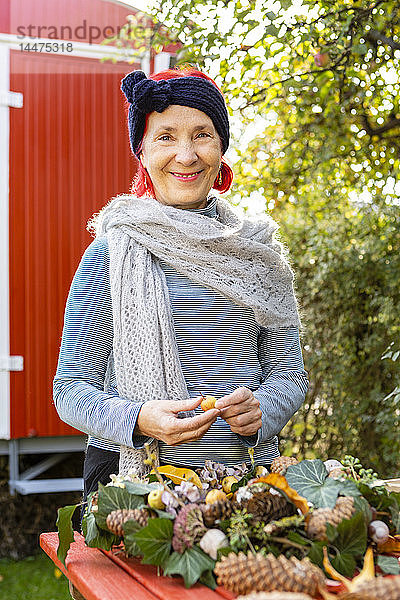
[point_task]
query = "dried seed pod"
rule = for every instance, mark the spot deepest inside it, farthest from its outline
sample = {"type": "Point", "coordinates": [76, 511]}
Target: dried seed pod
{"type": "Point", "coordinates": [280, 464]}
{"type": "Point", "coordinates": [188, 527]}
{"type": "Point", "coordinates": [387, 588]}
{"type": "Point", "coordinates": [243, 574]}
{"type": "Point", "coordinates": [316, 524]}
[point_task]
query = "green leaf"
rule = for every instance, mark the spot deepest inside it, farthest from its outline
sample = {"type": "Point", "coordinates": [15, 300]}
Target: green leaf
{"type": "Point", "coordinates": [389, 564]}
{"type": "Point", "coordinates": [130, 529]}
{"type": "Point", "coordinates": [331, 532]}
{"type": "Point", "coordinates": [352, 535]}
{"type": "Point", "coordinates": [243, 481]}
{"type": "Point", "coordinates": [349, 488]}
{"type": "Point", "coordinates": [316, 553]}
{"type": "Point", "coordinates": [207, 579]}
{"type": "Point", "coordinates": [114, 498]}
{"type": "Point", "coordinates": [154, 541]}
{"type": "Point", "coordinates": [95, 537]}
{"type": "Point", "coordinates": [65, 531]}
{"type": "Point", "coordinates": [294, 536]}
{"type": "Point", "coordinates": [140, 489]}
{"type": "Point", "coordinates": [361, 504]}
{"type": "Point", "coordinates": [310, 479]}
{"type": "Point", "coordinates": [345, 563]}
{"type": "Point", "coordinates": [191, 564]}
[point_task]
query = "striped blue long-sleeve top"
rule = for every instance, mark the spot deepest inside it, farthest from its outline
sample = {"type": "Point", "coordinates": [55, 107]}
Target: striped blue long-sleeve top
{"type": "Point", "coordinates": [221, 347]}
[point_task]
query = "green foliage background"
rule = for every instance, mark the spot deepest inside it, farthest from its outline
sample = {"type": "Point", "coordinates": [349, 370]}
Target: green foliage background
{"type": "Point", "coordinates": [317, 86]}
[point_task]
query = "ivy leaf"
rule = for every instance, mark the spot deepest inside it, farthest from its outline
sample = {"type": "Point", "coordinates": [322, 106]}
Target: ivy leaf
{"type": "Point", "coordinates": [140, 489]}
{"type": "Point", "coordinates": [310, 479]}
{"type": "Point", "coordinates": [348, 541]}
{"type": "Point", "coordinates": [389, 565]}
{"type": "Point", "coordinates": [349, 488]}
{"type": "Point", "coordinates": [191, 564]}
{"type": "Point", "coordinates": [207, 579]}
{"type": "Point", "coordinates": [114, 498]}
{"type": "Point", "coordinates": [344, 563]}
{"type": "Point", "coordinates": [95, 537]}
{"type": "Point", "coordinates": [243, 481]}
{"type": "Point", "coordinates": [65, 531]}
{"type": "Point", "coordinates": [130, 529]}
{"type": "Point", "coordinates": [316, 553]}
{"type": "Point", "coordinates": [352, 536]}
{"type": "Point", "coordinates": [331, 532]}
{"type": "Point", "coordinates": [361, 504]}
{"type": "Point", "coordinates": [154, 541]}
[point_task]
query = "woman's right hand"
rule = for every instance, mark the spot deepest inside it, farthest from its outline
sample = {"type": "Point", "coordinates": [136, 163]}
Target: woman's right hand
{"type": "Point", "coordinates": [159, 419]}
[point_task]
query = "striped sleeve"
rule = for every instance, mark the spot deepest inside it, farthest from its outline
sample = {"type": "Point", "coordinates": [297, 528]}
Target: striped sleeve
{"type": "Point", "coordinates": [284, 383]}
{"type": "Point", "coordinates": [78, 387]}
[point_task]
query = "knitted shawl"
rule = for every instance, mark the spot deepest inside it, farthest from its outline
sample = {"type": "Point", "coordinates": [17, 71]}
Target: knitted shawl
{"type": "Point", "coordinates": [240, 258]}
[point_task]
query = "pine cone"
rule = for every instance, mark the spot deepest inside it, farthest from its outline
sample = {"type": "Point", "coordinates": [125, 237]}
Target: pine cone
{"type": "Point", "coordinates": [117, 518]}
{"type": "Point", "coordinates": [266, 507]}
{"type": "Point", "coordinates": [242, 574]}
{"type": "Point", "coordinates": [316, 525]}
{"type": "Point", "coordinates": [188, 527]}
{"type": "Point", "coordinates": [218, 510]}
{"type": "Point", "coordinates": [280, 464]}
{"type": "Point", "coordinates": [274, 596]}
{"type": "Point", "coordinates": [375, 589]}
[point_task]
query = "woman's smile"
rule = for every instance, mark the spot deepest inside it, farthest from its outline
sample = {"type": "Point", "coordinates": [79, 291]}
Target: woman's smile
{"type": "Point", "coordinates": [186, 176]}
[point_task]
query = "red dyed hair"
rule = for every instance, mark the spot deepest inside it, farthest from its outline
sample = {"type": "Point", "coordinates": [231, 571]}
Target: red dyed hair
{"type": "Point", "coordinates": [142, 183]}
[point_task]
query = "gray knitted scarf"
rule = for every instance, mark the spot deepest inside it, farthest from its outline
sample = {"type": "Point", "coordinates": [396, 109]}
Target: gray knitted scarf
{"type": "Point", "coordinates": [240, 258]}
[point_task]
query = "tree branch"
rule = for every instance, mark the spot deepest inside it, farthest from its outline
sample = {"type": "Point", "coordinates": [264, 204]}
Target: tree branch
{"type": "Point", "coordinates": [392, 123]}
{"type": "Point", "coordinates": [374, 36]}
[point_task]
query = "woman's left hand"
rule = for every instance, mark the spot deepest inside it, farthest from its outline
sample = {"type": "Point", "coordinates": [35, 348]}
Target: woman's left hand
{"type": "Point", "coordinates": [241, 410]}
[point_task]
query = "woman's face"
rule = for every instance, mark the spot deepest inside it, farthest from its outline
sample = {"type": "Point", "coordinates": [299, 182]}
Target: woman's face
{"type": "Point", "coordinates": [181, 151]}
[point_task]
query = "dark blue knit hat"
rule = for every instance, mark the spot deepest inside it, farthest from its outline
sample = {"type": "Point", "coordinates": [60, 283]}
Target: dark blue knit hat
{"type": "Point", "coordinates": [146, 95]}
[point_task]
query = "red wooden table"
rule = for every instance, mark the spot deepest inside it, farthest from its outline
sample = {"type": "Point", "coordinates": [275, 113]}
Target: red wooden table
{"type": "Point", "coordinates": [100, 575]}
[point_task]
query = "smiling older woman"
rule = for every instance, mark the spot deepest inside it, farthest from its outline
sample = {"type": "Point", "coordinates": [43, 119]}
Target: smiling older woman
{"type": "Point", "coordinates": [178, 296]}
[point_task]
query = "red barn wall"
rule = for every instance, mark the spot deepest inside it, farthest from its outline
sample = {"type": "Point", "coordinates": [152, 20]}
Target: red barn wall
{"type": "Point", "coordinates": [69, 154]}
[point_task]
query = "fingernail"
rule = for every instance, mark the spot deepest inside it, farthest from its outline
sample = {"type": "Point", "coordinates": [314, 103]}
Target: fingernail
{"type": "Point", "coordinates": [219, 404]}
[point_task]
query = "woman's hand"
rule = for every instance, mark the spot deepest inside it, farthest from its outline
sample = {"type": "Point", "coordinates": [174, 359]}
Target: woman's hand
{"type": "Point", "coordinates": [241, 410]}
{"type": "Point", "coordinates": [158, 419]}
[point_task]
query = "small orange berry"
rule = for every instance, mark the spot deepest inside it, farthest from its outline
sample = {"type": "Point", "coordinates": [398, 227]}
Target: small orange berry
{"type": "Point", "coordinates": [208, 402]}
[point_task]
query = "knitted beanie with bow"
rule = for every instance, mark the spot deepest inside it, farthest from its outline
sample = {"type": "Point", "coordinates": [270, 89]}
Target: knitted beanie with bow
{"type": "Point", "coordinates": [147, 95]}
